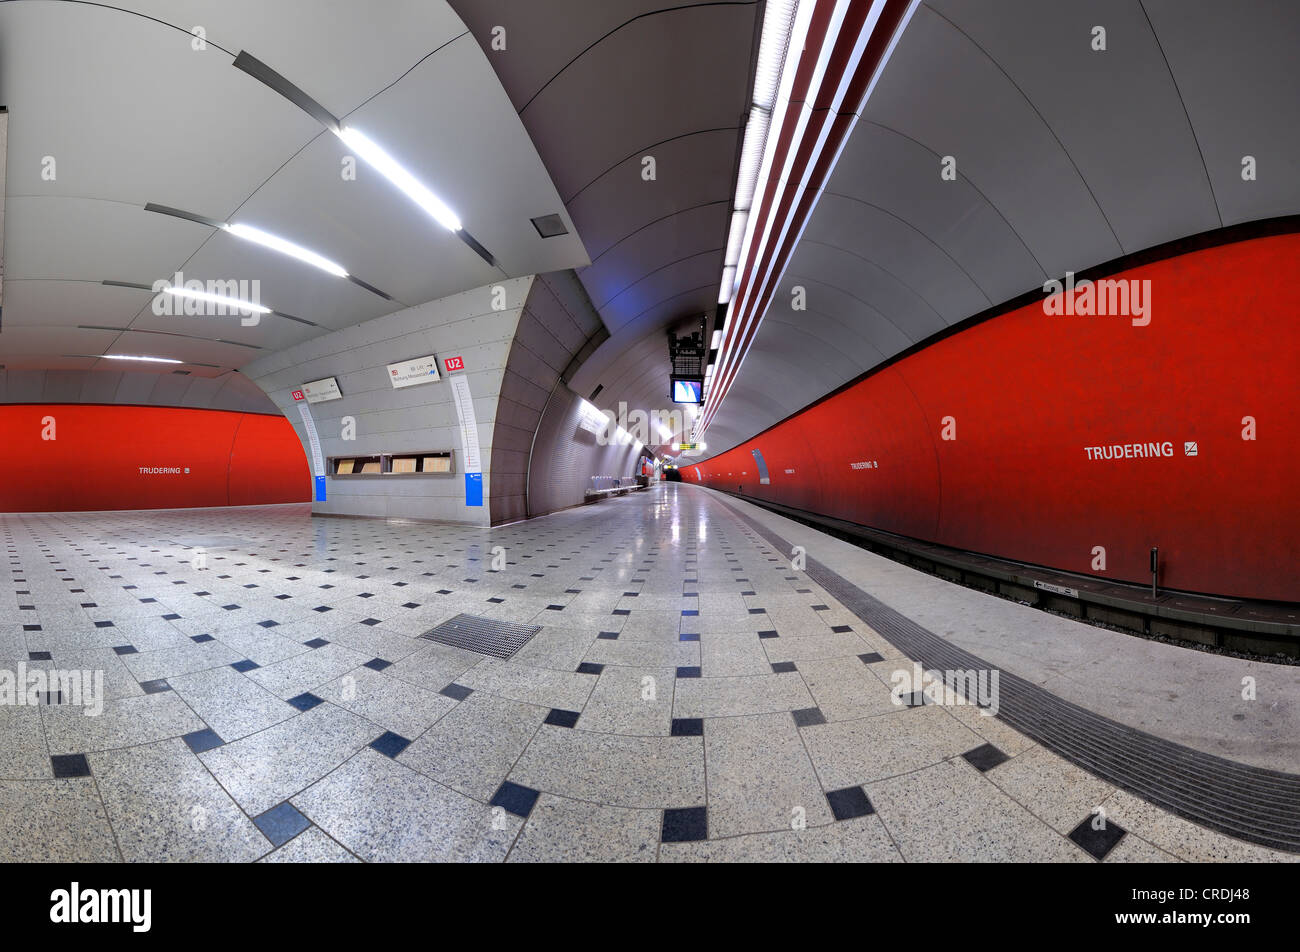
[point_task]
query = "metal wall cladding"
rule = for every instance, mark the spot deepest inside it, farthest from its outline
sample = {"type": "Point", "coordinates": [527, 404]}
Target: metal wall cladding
{"type": "Point", "coordinates": [566, 455]}
{"type": "Point", "coordinates": [1002, 439]}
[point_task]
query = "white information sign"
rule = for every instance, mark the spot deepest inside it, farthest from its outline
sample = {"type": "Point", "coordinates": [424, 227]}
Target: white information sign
{"type": "Point", "coordinates": [468, 422]}
{"type": "Point", "coordinates": [408, 373]}
{"type": "Point", "coordinates": [318, 391]}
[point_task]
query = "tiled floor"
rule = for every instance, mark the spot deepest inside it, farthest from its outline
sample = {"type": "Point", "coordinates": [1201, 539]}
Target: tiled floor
{"type": "Point", "coordinates": [690, 696]}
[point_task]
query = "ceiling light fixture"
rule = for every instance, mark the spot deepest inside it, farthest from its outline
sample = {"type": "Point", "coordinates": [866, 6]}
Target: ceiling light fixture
{"type": "Point", "coordinates": [233, 303]}
{"type": "Point", "coordinates": [285, 247]}
{"type": "Point", "coordinates": [152, 360]}
{"type": "Point", "coordinates": [392, 170]}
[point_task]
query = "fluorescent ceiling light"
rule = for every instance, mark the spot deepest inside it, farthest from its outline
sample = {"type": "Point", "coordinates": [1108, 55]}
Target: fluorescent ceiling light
{"type": "Point", "coordinates": [152, 360]}
{"type": "Point", "coordinates": [218, 299]}
{"type": "Point", "coordinates": [666, 433]}
{"type": "Point", "coordinates": [717, 339]}
{"type": "Point", "coordinates": [285, 247]}
{"type": "Point", "coordinates": [728, 284]}
{"type": "Point", "coordinates": [390, 169]}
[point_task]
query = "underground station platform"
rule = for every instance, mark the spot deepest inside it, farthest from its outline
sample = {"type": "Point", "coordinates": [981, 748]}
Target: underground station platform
{"type": "Point", "coordinates": [796, 432]}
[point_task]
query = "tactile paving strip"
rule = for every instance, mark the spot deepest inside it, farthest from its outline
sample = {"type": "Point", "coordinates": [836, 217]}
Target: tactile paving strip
{"type": "Point", "coordinates": [500, 639]}
{"type": "Point", "coordinates": [1250, 803]}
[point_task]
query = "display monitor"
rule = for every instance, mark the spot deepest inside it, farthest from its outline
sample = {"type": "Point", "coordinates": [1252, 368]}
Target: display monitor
{"type": "Point", "coordinates": [688, 389]}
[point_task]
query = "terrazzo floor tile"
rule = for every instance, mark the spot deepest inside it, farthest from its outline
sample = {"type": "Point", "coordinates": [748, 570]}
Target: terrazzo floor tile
{"type": "Point", "coordinates": [844, 689]}
{"type": "Point", "coordinates": [310, 846]}
{"type": "Point", "coordinates": [950, 813]}
{"type": "Point", "coordinates": [184, 659]}
{"type": "Point", "coordinates": [759, 775]}
{"type": "Point", "coordinates": [1051, 788]}
{"type": "Point", "coordinates": [473, 746]}
{"type": "Point", "coordinates": [230, 703]}
{"type": "Point", "coordinates": [630, 700]}
{"type": "Point", "coordinates": [614, 769]}
{"type": "Point", "coordinates": [54, 821]}
{"type": "Point", "coordinates": [165, 807]}
{"type": "Point", "coordinates": [383, 811]}
{"type": "Point", "coordinates": [850, 753]}
{"type": "Point", "coordinates": [266, 768]}
{"type": "Point", "coordinates": [23, 755]}
{"type": "Point", "coordinates": [862, 840]}
{"type": "Point", "coordinates": [729, 697]}
{"type": "Point", "coordinates": [123, 723]}
{"type": "Point", "coordinates": [393, 704]}
{"type": "Point", "coordinates": [434, 666]}
{"type": "Point", "coordinates": [293, 676]}
{"type": "Point", "coordinates": [1182, 838]}
{"type": "Point", "coordinates": [521, 682]}
{"type": "Point", "coordinates": [560, 830]}
{"type": "Point", "coordinates": [638, 654]}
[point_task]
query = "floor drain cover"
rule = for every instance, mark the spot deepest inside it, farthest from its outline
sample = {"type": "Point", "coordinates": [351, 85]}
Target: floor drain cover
{"type": "Point", "coordinates": [500, 639]}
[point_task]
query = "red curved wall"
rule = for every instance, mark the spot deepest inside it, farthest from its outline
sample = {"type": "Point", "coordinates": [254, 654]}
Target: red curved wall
{"type": "Point", "coordinates": [94, 461]}
{"type": "Point", "coordinates": [1029, 392]}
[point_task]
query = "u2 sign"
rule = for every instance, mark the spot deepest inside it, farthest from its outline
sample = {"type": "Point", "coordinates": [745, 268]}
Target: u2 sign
{"type": "Point", "coordinates": [453, 363]}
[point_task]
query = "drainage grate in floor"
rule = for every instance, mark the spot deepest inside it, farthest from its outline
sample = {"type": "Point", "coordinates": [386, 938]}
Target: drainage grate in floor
{"type": "Point", "coordinates": [500, 639]}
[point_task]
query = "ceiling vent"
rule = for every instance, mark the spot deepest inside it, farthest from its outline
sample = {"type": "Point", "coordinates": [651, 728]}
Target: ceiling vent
{"type": "Point", "coordinates": [550, 226]}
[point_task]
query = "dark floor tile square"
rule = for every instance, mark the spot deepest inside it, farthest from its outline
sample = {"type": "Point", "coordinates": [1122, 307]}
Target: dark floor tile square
{"type": "Point", "coordinates": [688, 727]}
{"type": "Point", "coordinates": [104, 624]}
{"type": "Point", "coordinates": [457, 692]}
{"type": "Point", "coordinates": [758, 611]}
{"type": "Point", "coordinates": [768, 634]}
{"type": "Point", "coordinates": [821, 608]}
{"type": "Point", "coordinates": [688, 672]}
{"type": "Point", "coordinates": [608, 636]}
{"type": "Point", "coordinates": [245, 665]}
{"type": "Point", "coordinates": [840, 629]}
{"type": "Point", "coordinates": [281, 823]}
{"type": "Point", "coordinates": [689, 636]}
{"type": "Point", "coordinates": [622, 611]}
{"type": "Point", "coordinates": [410, 604]}
{"type": "Point", "coordinates": [915, 699]}
{"type": "Point", "coordinates": [155, 687]}
{"type": "Point", "coordinates": [322, 609]}
{"type": "Point", "coordinates": [316, 643]}
{"type": "Point", "coordinates": [171, 616]}
{"type": "Point", "coordinates": [200, 639]}
{"type": "Point", "coordinates": [590, 667]}
{"type": "Point", "coordinates": [1097, 843]}
{"type": "Point", "coordinates": [849, 803]}
{"type": "Point", "coordinates": [561, 718]}
{"type": "Point", "coordinates": [985, 757]}
{"type": "Point", "coordinates": [783, 667]}
{"type": "Point", "coordinates": [230, 608]}
{"type": "Point", "coordinates": [515, 798]}
{"type": "Point", "coordinates": [268, 624]}
{"type": "Point", "coordinates": [206, 739]}
{"type": "Point", "coordinates": [31, 627]}
{"type": "Point", "coordinates": [808, 717]}
{"type": "Point", "coordinates": [555, 608]}
{"type": "Point", "coordinates": [496, 601]}
{"type": "Point", "coordinates": [685, 825]}
{"type": "Point", "coordinates": [370, 621]}
{"type": "Point", "coordinates": [690, 612]}
{"type": "Point", "coordinates": [377, 664]}
{"type": "Point", "coordinates": [39, 656]}
{"type": "Point", "coordinates": [126, 649]}
{"type": "Point", "coordinates": [444, 591]}
{"type": "Point", "coordinates": [871, 657]}
{"type": "Point", "coordinates": [66, 766]}
{"type": "Point", "coordinates": [305, 701]}
{"type": "Point", "coordinates": [390, 744]}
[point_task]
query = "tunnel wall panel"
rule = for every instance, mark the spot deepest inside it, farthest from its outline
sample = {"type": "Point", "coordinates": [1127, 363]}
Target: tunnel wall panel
{"type": "Point", "coordinates": [1028, 393]}
{"type": "Point", "coordinates": [119, 457]}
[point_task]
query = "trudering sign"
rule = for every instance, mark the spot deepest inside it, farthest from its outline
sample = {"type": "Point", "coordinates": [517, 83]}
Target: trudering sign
{"type": "Point", "coordinates": [409, 373]}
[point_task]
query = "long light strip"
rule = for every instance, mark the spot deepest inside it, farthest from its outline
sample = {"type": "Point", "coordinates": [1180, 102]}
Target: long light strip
{"type": "Point", "coordinates": [234, 303]}
{"type": "Point", "coordinates": [742, 329]}
{"type": "Point", "coordinates": [285, 247]}
{"type": "Point", "coordinates": [152, 360]}
{"type": "Point", "coordinates": [392, 170]}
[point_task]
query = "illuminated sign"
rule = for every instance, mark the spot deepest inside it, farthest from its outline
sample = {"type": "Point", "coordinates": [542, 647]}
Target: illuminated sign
{"type": "Point", "coordinates": [687, 389]}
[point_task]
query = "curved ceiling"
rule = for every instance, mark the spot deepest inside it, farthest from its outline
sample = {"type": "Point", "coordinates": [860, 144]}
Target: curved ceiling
{"type": "Point", "coordinates": [600, 86]}
{"type": "Point", "coordinates": [134, 109]}
{"type": "Point", "coordinates": [1066, 158]}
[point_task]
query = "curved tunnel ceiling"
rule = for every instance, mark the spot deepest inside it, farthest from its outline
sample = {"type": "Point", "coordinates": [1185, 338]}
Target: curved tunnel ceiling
{"type": "Point", "coordinates": [133, 110]}
{"type": "Point", "coordinates": [599, 86]}
{"type": "Point", "coordinates": [1066, 158]}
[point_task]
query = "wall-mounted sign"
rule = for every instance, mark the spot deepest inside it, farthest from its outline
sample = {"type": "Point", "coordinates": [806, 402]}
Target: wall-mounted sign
{"type": "Point", "coordinates": [408, 373]}
{"type": "Point", "coordinates": [299, 396]}
{"type": "Point", "coordinates": [318, 391]}
{"type": "Point", "coordinates": [454, 363]}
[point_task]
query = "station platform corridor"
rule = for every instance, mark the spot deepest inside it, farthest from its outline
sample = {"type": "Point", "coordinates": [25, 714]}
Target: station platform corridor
{"type": "Point", "coordinates": [685, 696]}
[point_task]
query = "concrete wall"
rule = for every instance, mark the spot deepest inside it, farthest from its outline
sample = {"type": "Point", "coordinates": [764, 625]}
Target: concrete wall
{"type": "Point", "coordinates": [409, 419]}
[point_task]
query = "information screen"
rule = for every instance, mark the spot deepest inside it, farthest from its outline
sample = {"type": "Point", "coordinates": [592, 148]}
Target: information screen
{"type": "Point", "coordinates": [687, 390]}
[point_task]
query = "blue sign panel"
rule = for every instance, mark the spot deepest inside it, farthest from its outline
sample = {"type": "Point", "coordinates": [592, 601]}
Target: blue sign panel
{"type": "Point", "coordinates": [320, 488]}
{"type": "Point", "coordinates": [473, 489]}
